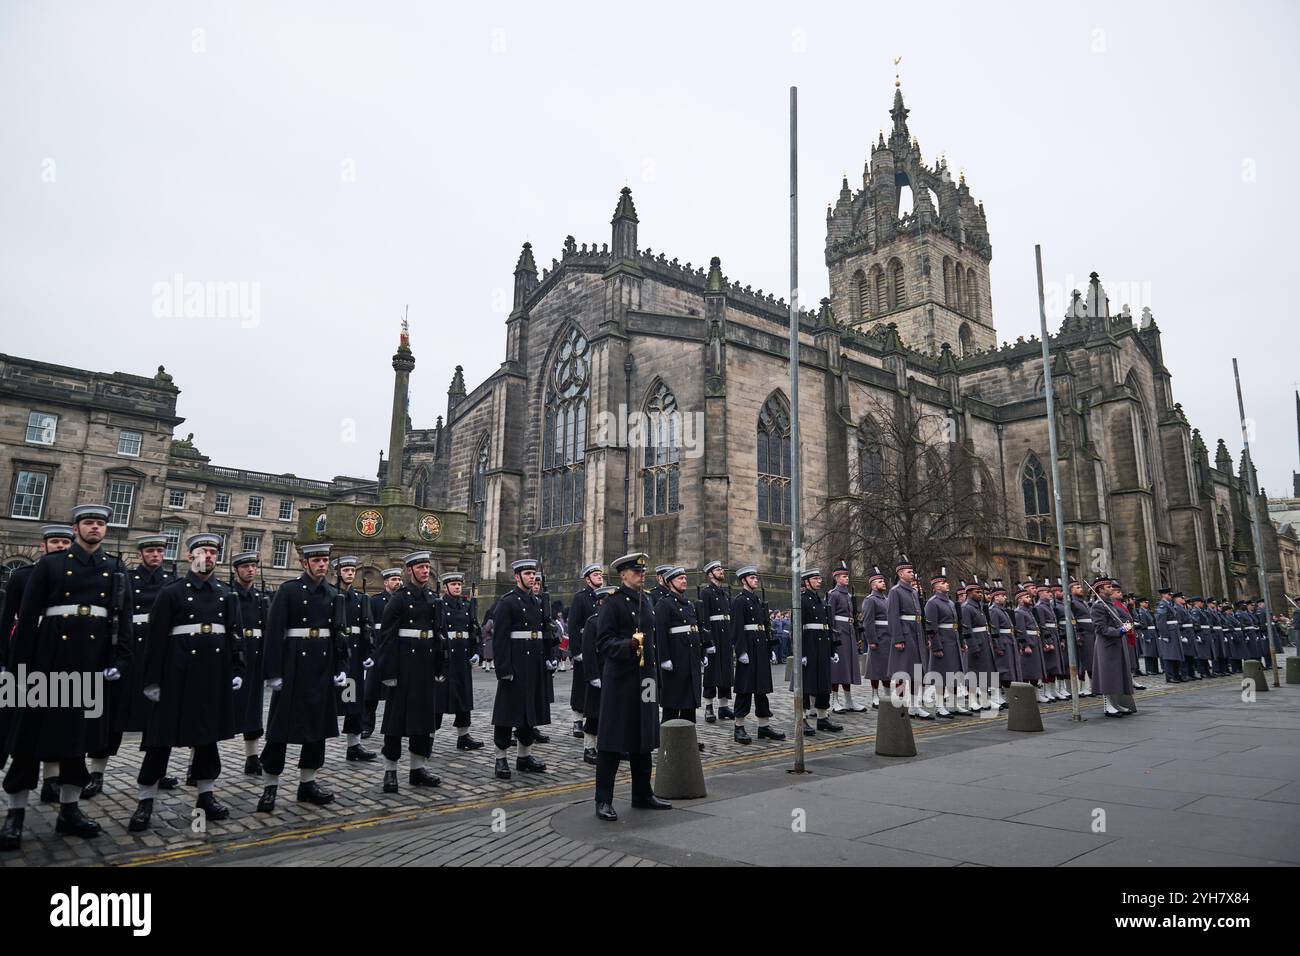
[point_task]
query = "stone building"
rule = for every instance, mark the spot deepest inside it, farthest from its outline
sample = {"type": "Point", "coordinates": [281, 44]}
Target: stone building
{"type": "Point", "coordinates": [536, 456]}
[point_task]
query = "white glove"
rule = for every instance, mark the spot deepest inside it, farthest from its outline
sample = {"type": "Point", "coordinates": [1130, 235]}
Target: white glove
{"type": "Point", "coordinates": [803, 661]}
{"type": "Point", "coordinates": [368, 663]}
{"type": "Point", "coordinates": [596, 682]}
{"type": "Point", "coordinates": [577, 657]}
{"type": "Point", "coordinates": [275, 683]}
{"type": "Point", "coordinates": [153, 692]}
{"type": "Point", "coordinates": [390, 682]}
{"type": "Point", "coordinates": [506, 677]}
{"type": "Point", "coordinates": [439, 680]}
{"type": "Point", "coordinates": [667, 665]}
{"type": "Point", "coordinates": [236, 683]}
{"type": "Point", "coordinates": [551, 665]}
{"type": "Point", "coordinates": [473, 659]}
{"type": "Point", "coordinates": [341, 679]}
{"type": "Point", "coordinates": [835, 658]}
{"type": "Point", "coordinates": [743, 658]}
{"type": "Point", "coordinates": [710, 650]}
{"type": "Point", "coordinates": [112, 674]}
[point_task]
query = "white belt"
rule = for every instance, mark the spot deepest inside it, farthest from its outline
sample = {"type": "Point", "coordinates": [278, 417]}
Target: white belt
{"type": "Point", "coordinates": [525, 635]}
{"type": "Point", "coordinates": [814, 627]}
{"type": "Point", "coordinates": [907, 617]}
{"type": "Point", "coordinates": [949, 626]}
{"type": "Point", "coordinates": [978, 630]}
{"type": "Point", "coordinates": [458, 635]}
{"type": "Point", "coordinates": [753, 627]}
{"type": "Point", "coordinates": [719, 617]}
{"type": "Point", "coordinates": [682, 629]}
{"type": "Point", "coordinates": [417, 633]}
{"type": "Point", "coordinates": [845, 619]}
{"type": "Point", "coordinates": [1050, 626]}
{"type": "Point", "coordinates": [354, 629]}
{"type": "Point", "coordinates": [1004, 630]}
{"type": "Point", "coordinates": [307, 632]}
{"type": "Point", "coordinates": [1151, 627]}
{"type": "Point", "coordinates": [139, 618]}
{"type": "Point", "coordinates": [78, 610]}
{"type": "Point", "coordinates": [1217, 628]}
{"type": "Point", "coordinates": [1187, 625]}
{"type": "Point", "coordinates": [198, 629]}
{"type": "Point", "coordinates": [1034, 633]}
{"type": "Point", "coordinates": [882, 624]}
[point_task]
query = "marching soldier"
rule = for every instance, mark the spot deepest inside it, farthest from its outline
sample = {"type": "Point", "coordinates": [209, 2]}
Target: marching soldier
{"type": "Point", "coordinates": [1029, 648]}
{"type": "Point", "coordinates": [1085, 636]}
{"type": "Point", "coordinates": [464, 640]}
{"type": "Point", "coordinates": [193, 660]}
{"type": "Point", "coordinates": [581, 607]}
{"type": "Point", "coordinates": [819, 656]}
{"type": "Point", "coordinates": [1187, 636]}
{"type": "Point", "coordinates": [978, 645]}
{"type": "Point", "coordinates": [903, 612]}
{"type": "Point", "coordinates": [550, 660]}
{"type": "Point", "coordinates": [1246, 621]}
{"type": "Point", "coordinates": [128, 710]}
{"type": "Point", "coordinates": [875, 634]}
{"type": "Point", "coordinates": [518, 626]}
{"type": "Point", "coordinates": [1111, 624]}
{"type": "Point", "coordinates": [305, 658]}
{"type": "Point", "coordinates": [681, 650]}
{"type": "Point", "coordinates": [629, 717]}
{"type": "Point", "coordinates": [941, 641]}
{"type": "Point", "coordinates": [412, 667]}
{"type": "Point", "coordinates": [1238, 651]}
{"type": "Point", "coordinates": [660, 590]}
{"type": "Point", "coordinates": [1169, 637]}
{"type": "Point", "coordinates": [73, 620]}
{"type": "Point", "coordinates": [845, 672]}
{"type": "Point", "coordinates": [1147, 638]}
{"type": "Point", "coordinates": [1002, 637]}
{"type": "Point", "coordinates": [1056, 658]}
{"type": "Point", "coordinates": [592, 672]}
{"type": "Point", "coordinates": [375, 689]}
{"type": "Point", "coordinates": [751, 638]}
{"type": "Point", "coordinates": [1222, 665]}
{"type": "Point", "coordinates": [359, 634]}
{"type": "Point", "coordinates": [1204, 638]}
{"type": "Point", "coordinates": [719, 668]}
{"type": "Point", "coordinates": [54, 538]}
{"type": "Point", "coordinates": [253, 607]}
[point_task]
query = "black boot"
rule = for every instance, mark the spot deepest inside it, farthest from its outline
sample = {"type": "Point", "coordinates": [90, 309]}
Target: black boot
{"type": "Point", "coordinates": [540, 738]}
{"type": "Point", "coordinates": [651, 803]}
{"type": "Point", "coordinates": [267, 803]}
{"type": "Point", "coordinates": [50, 790]}
{"type": "Point", "coordinates": [168, 783]}
{"type": "Point", "coordinates": [211, 807]}
{"type": "Point", "coordinates": [530, 764]}
{"type": "Point", "coordinates": [189, 776]}
{"type": "Point", "coordinates": [360, 753]}
{"type": "Point", "coordinates": [577, 728]}
{"type": "Point", "coordinates": [606, 812]}
{"type": "Point", "coordinates": [94, 786]}
{"type": "Point", "coordinates": [726, 713]}
{"type": "Point", "coordinates": [825, 723]}
{"type": "Point", "coordinates": [72, 822]}
{"type": "Point", "coordinates": [253, 766]}
{"type": "Point", "coordinates": [709, 716]}
{"type": "Point", "coordinates": [423, 778]}
{"type": "Point", "coordinates": [390, 781]}
{"type": "Point", "coordinates": [466, 742]}
{"type": "Point", "coordinates": [312, 792]}
{"type": "Point", "coordinates": [502, 769]}
{"type": "Point", "coordinates": [741, 736]}
{"type": "Point", "coordinates": [139, 821]}
{"type": "Point", "coordinates": [808, 730]}
{"type": "Point", "coordinates": [589, 755]}
{"type": "Point", "coordinates": [11, 835]}
{"type": "Point", "coordinates": [767, 733]}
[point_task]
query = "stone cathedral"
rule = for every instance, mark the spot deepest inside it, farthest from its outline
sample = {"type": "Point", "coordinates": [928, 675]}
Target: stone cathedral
{"type": "Point", "coordinates": [610, 328]}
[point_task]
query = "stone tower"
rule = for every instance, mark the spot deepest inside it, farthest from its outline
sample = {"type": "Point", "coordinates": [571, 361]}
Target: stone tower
{"type": "Point", "coordinates": [925, 269]}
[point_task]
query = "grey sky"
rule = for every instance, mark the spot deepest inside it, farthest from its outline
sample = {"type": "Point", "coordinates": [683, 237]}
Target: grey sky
{"type": "Point", "coordinates": [348, 159]}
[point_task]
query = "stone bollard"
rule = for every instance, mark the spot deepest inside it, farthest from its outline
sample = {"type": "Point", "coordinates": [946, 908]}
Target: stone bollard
{"type": "Point", "coordinates": [894, 728]}
{"type": "Point", "coordinates": [678, 772]}
{"type": "Point", "coordinates": [1254, 670]}
{"type": "Point", "coordinates": [1293, 670]}
{"type": "Point", "coordinates": [1022, 712]}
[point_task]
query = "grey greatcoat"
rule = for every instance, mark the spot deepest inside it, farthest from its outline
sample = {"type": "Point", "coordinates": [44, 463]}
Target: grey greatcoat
{"type": "Point", "coordinates": [906, 639]}
{"type": "Point", "coordinates": [1085, 636]}
{"type": "Point", "coordinates": [848, 670]}
{"type": "Point", "coordinates": [979, 641]}
{"type": "Point", "coordinates": [1168, 634]}
{"type": "Point", "coordinates": [1029, 648]}
{"type": "Point", "coordinates": [1111, 672]}
{"type": "Point", "coordinates": [1055, 664]}
{"type": "Point", "coordinates": [875, 635]}
{"type": "Point", "coordinates": [1006, 650]}
{"type": "Point", "coordinates": [941, 636]}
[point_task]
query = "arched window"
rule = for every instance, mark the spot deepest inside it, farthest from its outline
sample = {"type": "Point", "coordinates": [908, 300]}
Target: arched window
{"type": "Point", "coordinates": [774, 462]}
{"type": "Point", "coordinates": [972, 300]}
{"type": "Point", "coordinates": [564, 436]}
{"type": "Point", "coordinates": [967, 339]}
{"type": "Point", "coordinates": [421, 488]}
{"type": "Point", "coordinates": [1038, 509]}
{"type": "Point", "coordinates": [947, 282]}
{"type": "Point", "coordinates": [958, 298]}
{"type": "Point", "coordinates": [897, 286]}
{"type": "Point", "coordinates": [478, 489]}
{"type": "Point", "coordinates": [661, 459]}
{"type": "Point", "coordinates": [1142, 437]}
{"type": "Point", "coordinates": [882, 290]}
{"type": "Point", "coordinates": [1225, 530]}
{"type": "Point", "coordinates": [862, 308]}
{"type": "Point", "coordinates": [871, 460]}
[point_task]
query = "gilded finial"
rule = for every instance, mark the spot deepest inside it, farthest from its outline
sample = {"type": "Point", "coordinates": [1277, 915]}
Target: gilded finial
{"type": "Point", "coordinates": [897, 81]}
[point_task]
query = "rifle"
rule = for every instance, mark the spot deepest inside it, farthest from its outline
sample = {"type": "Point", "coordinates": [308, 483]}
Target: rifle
{"type": "Point", "coordinates": [856, 614]}
{"type": "Point", "coordinates": [767, 618]}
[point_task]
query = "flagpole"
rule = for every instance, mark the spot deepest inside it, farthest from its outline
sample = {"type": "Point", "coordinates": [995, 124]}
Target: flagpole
{"type": "Point", "coordinates": [796, 536]}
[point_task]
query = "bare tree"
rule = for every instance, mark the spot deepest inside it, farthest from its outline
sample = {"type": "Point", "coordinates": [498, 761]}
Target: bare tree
{"type": "Point", "coordinates": [915, 490]}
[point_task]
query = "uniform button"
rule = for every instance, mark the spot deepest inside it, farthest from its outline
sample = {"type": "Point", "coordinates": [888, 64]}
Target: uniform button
{"type": "Point", "coordinates": [69, 571]}
{"type": "Point", "coordinates": [65, 637]}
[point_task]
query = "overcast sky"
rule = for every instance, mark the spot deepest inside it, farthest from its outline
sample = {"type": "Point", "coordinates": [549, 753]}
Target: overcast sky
{"type": "Point", "coordinates": [344, 160]}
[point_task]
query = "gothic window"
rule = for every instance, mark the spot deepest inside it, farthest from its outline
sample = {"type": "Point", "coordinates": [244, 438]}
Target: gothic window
{"type": "Point", "coordinates": [421, 488]}
{"type": "Point", "coordinates": [947, 282]}
{"type": "Point", "coordinates": [478, 489]}
{"type": "Point", "coordinates": [774, 462]}
{"type": "Point", "coordinates": [1225, 532]}
{"type": "Point", "coordinates": [972, 300]}
{"type": "Point", "coordinates": [1143, 440]}
{"type": "Point", "coordinates": [882, 290]}
{"type": "Point", "coordinates": [661, 461]}
{"type": "Point", "coordinates": [897, 286]}
{"type": "Point", "coordinates": [1038, 509]}
{"type": "Point", "coordinates": [958, 299]}
{"type": "Point", "coordinates": [564, 436]}
{"type": "Point", "coordinates": [863, 304]}
{"type": "Point", "coordinates": [871, 461]}
{"type": "Point", "coordinates": [966, 338]}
